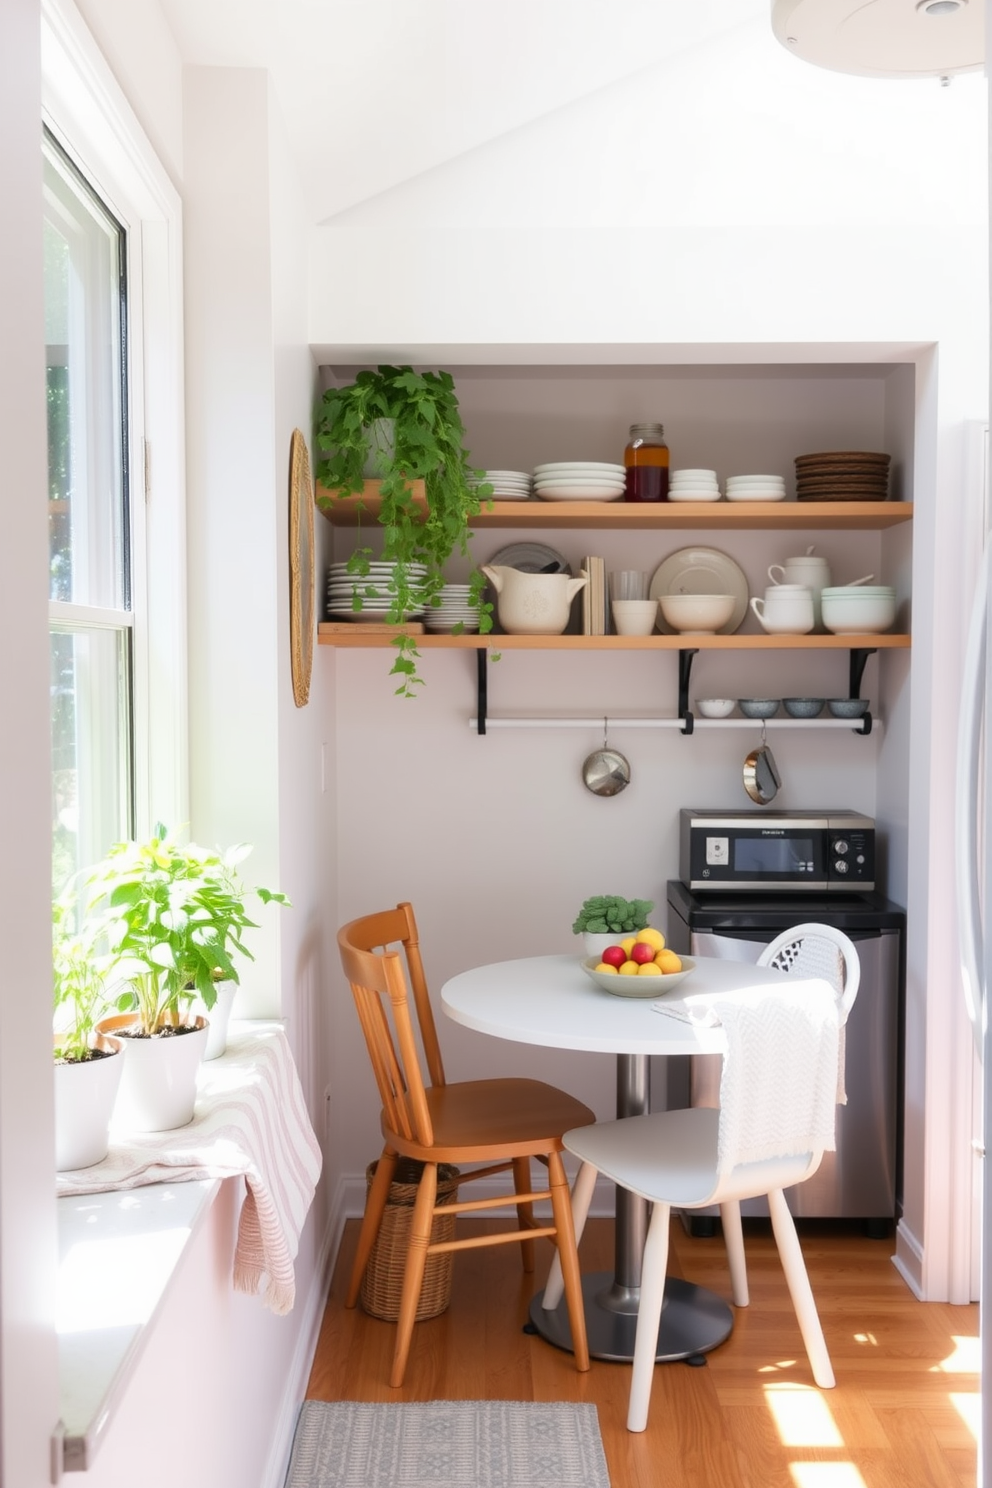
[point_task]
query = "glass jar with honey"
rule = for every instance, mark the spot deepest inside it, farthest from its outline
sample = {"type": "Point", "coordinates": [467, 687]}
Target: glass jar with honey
{"type": "Point", "coordinates": [646, 461]}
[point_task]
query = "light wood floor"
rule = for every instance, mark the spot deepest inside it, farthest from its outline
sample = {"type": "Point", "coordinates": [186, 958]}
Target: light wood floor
{"type": "Point", "coordinates": [901, 1415]}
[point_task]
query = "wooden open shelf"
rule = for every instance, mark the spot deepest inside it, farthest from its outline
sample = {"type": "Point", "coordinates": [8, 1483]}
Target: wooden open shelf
{"type": "Point", "coordinates": [328, 636]}
{"type": "Point", "coordinates": [874, 516]}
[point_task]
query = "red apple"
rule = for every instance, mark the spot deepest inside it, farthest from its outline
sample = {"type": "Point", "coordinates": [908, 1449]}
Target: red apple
{"type": "Point", "coordinates": [641, 952]}
{"type": "Point", "coordinates": [614, 955]}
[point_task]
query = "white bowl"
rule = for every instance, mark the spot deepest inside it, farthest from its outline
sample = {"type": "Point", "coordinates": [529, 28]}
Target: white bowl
{"type": "Point", "coordinates": [634, 617]}
{"type": "Point", "coordinates": [697, 614]}
{"type": "Point", "coordinates": [755, 480]}
{"type": "Point", "coordinates": [716, 707]}
{"type": "Point", "coordinates": [853, 614]}
{"type": "Point", "coordinates": [637, 986]}
{"type": "Point", "coordinates": [681, 493]}
{"type": "Point", "coordinates": [694, 475]}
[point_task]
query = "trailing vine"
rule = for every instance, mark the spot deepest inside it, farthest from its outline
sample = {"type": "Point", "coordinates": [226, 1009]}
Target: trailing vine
{"type": "Point", "coordinates": [429, 446]}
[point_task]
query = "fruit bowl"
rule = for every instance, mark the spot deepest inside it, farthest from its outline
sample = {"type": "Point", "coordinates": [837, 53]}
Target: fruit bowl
{"type": "Point", "coordinates": [637, 986]}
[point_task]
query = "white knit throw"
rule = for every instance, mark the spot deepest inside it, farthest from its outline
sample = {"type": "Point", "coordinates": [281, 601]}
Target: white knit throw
{"type": "Point", "coordinates": [778, 1088]}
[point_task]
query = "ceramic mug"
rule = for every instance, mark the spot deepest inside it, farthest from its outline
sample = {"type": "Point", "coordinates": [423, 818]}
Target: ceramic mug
{"type": "Point", "coordinates": [786, 609]}
{"type": "Point", "coordinates": [809, 570]}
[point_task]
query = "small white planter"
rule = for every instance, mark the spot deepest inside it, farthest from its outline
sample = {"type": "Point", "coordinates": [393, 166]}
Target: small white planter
{"type": "Point", "coordinates": [85, 1094]}
{"type": "Point", "coordinates": [382, 447]}
{"type": "Point", "coordinates": [595, 944]}
{"type": "Point", "coordinates": [218, 1017]}
{"type": "Point", "coordinates": [158, 1086]}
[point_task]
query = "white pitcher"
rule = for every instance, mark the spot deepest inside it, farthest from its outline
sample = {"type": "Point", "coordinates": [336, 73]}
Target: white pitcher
{"type": "Point", "coordinates": [533, 604]}
{"type": "Point", "coordinates": [808, 569]}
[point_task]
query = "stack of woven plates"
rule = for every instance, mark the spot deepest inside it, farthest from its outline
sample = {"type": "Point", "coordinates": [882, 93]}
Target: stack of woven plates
{"type": "Point", "coordinates": [508, 485]}
{"type": "Point", "coordinates": [755, 488]}
{"type": "Point", "coordinates": [375, 590]}
{"type": "Point", "coordinates": [693, 485]}
{"type": "Point", "coordinates": [453, 610]}
{"type": "Point", "coordinates": [843, 475]}
{"type": "Point", "coordinates": [579, 480]}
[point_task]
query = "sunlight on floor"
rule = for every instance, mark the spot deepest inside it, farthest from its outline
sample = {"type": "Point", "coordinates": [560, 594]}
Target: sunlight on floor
{"type": "Point", "coordinates": [966, 1358]}
{"type": "Point", "coordinates": [802, 1416]}
{"type": "Point", "coordinates": [826, 1475]}
{"type": "Point", "coordinates": [969, 1408]}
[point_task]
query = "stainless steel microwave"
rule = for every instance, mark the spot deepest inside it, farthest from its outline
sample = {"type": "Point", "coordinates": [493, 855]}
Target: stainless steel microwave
{"type": "Point", "coordinates": [788, 850]}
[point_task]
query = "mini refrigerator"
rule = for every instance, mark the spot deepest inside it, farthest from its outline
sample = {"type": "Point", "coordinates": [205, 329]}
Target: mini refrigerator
{"type": "Point", "coordinates": [861, 1179]}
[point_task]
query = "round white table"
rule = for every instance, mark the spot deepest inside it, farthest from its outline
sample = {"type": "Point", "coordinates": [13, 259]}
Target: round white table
{"type": "Point", "coordinates": [549, 1001]}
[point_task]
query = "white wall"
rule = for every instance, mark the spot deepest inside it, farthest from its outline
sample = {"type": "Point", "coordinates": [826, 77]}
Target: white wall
{"type": "Point", "coordinates": [28, 1365]}
{"type": "Point", "coordinates": [747, 207]}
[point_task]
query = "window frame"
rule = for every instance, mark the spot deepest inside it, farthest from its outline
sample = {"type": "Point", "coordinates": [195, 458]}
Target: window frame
{"type": "Point", "coordinates": [91, 121]}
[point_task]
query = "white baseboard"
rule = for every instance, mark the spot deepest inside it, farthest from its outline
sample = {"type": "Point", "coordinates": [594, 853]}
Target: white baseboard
{"type": "Point", "coordinates": [306, 1343]}
{"type": "Point", "coordinates": [908, 1260]}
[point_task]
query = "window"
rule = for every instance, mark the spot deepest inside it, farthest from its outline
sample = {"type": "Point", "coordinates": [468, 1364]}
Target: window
{"type": "Point", "coordinates": [114, 322]}
{"type": "Point", "coordinates": [88, 518]}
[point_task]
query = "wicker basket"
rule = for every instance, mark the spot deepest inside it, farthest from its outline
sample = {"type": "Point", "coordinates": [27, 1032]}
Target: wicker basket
{"type": "Point", "coordinates": [382, 1283]}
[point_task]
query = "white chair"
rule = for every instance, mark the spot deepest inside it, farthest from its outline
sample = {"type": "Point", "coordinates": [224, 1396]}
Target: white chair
{"type": "Point", "coordinates": [818, 950]}
{"type": "Point", "coordinates": [688, 1160]}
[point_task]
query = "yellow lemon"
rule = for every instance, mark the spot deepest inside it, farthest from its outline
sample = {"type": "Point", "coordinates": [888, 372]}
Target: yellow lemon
{"type": "Point", "coordinates": [649, 969]}
{"type": "Point", "coordinates": [629, 968]}
{"type": "Point", "coordinates": [667, 961]}
{"type": "Point", "coordinates": [652, 937]}
{"type": "Point", "coordinates": [603, 967]}
{"type": "Point", "coordinates": [628, 943]}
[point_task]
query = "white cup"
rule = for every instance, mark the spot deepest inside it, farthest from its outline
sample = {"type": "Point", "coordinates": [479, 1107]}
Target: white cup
{"type": "Point", "coordinates": [807, 569]}
{"type": "Point", "coordinates": [786, 609]}
{"type": "Point", "coordinates": [634, 617]}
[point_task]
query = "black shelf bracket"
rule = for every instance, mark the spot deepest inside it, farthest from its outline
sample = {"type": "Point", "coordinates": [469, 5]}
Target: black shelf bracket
{"type": "Point", "coordinates": [859, 660]}
{"type": "Point", "coordinates": [481, 688]}
{"type": "Point", "coordinates": [685, 672]}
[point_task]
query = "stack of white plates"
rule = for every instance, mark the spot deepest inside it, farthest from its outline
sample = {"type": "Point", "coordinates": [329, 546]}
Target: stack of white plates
{"type": "Point", "coordinates": [693, 485]}
{"type": "Point", "coordinates": [374, 588]}
{"type": "Point", "coordinates": [453, 610]}
{"type": "Point", "coordinates": [508, 485]}
{"type": "Point", "coordinates": [579, 480]}
{"type": "Point", "coordinates": [755, 488]}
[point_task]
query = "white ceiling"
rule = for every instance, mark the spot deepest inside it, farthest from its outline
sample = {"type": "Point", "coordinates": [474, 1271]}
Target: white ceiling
{"type": "Point", "coordinates": [375, 92]}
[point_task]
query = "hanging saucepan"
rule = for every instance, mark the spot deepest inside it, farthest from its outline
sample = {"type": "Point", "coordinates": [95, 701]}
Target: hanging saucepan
{"type": "Point", "coordinates": [761, 777]}
{"type": "Point", "coordinates": [606, 772]}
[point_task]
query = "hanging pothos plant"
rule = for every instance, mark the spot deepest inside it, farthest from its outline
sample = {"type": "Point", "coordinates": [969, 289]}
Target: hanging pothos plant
{"type": "Point", "coordinates": [428, 446]}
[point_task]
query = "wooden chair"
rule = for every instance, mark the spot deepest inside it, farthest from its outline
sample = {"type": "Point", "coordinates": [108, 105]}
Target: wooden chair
{"type": "Point", "coordinates": [502, 1124]}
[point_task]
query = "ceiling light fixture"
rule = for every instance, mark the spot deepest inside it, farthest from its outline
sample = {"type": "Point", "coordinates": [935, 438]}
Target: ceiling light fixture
{"type": "Point", "coordinates": [884, 38]}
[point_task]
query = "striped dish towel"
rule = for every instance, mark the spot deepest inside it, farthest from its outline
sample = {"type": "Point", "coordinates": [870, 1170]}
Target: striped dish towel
{"type": "Point", "coordinates": [250, 1119]}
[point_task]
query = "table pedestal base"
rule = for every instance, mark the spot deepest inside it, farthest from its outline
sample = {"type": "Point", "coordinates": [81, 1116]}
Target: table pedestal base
{"type": "Point", "coordinates": [693, 1320]}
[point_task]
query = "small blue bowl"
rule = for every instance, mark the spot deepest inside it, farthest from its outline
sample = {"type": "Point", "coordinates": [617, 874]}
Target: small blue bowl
{"type": "Point", "coordinates": [848, 707]}
{"type": "Point", "coordinates": [803, 707]}
{"type": "Point", "coordinates": [758, 707]}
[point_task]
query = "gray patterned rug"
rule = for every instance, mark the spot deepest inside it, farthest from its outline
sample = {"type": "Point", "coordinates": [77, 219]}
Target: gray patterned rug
{"type": "Point", "coordinates": [447, 1444]}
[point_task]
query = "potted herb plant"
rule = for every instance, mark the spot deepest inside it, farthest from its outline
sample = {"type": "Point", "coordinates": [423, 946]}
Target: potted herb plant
{"type": "Point", "coordinates": [171, 917]}
{"type": "Point", "coordinates": [605, 919]}
{"type": "Point", "coordinates": [426, 444]}
{"type": "Point", "coordinates": [88, 1064]}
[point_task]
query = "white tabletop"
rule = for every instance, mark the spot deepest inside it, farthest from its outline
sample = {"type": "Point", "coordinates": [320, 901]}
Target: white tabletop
{"type": "Point", "coordinates": [549, 1000]}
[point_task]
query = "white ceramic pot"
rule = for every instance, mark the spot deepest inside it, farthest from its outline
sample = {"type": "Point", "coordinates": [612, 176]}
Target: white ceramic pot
{"type": "Point", "coordinates": [85, 1095]}
{"type": "Point", "coordinates": [809, 570]}
{"type": "Point", "coordinates": [595, 944]}
{"type": "Point", "coordinates": [218, 1018]}
{"type": "Point", "coordinates": [158, 1084]}
{"type": "Point", "coordinates": [787, 609]}
{"type": "Point", "coordinates": [382, 445]}
{"type": "Point", "coordinates": [533, 604]}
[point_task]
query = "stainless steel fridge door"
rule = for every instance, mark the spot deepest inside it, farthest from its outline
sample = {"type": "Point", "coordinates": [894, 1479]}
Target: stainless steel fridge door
{"type": "Point", "coordinates": [858, 1180]}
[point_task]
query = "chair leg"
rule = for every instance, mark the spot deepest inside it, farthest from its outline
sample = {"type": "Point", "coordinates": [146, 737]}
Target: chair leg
{"type": "Point", "coordinates": [653, 1270]}
{"type": "Point", "coordinates": [733, 1239]}
{"type": "Point", "coordinates": [784, 1229]}
{"type": "Point", "coordinates": [375, 1207]}
{"type": "Point", "coordinates": [523, 1183]}
{"type": "Point", "coordinates": [565, 1247]}
{"type": "Point", "coordinates": [582, 1191]}
{"type": "Point", "coordinates": [413, 1276]}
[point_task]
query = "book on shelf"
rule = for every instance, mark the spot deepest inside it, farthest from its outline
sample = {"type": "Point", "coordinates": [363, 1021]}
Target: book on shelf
{"type": "Point", "coordinates": [594, 597]}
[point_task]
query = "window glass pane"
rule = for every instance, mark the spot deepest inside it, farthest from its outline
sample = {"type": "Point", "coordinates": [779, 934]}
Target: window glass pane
{"type": "Point", "coordinates": [90, 740]}
{"type": "Point", "coordinates": [84, 333]}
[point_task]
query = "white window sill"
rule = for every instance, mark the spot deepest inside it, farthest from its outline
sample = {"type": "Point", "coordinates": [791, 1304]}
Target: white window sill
{"type": "Point", "coordinates": [118, 1253]}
